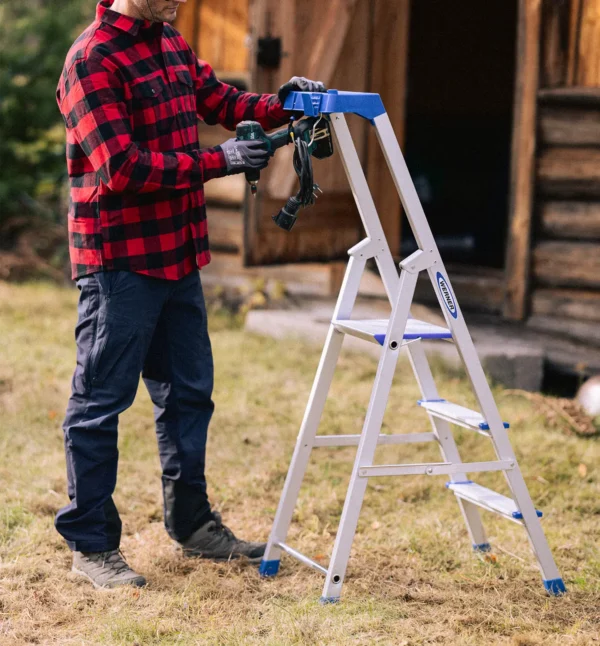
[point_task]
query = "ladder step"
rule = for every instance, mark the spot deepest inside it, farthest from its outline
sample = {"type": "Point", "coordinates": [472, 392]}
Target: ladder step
{"type": "Point", "coordinates": [457, 415]}
{"type": "Point", "coordinates": [353, 440]}
{"type": "Point", "coordinates": [488, 499]}
{"type": "Point", "coordinates": [434, 468]}
{"type": "Point", "coordinates": [375, 330]}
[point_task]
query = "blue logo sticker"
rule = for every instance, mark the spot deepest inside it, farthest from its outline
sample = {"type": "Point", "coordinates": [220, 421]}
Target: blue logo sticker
{"type": "Point", "coordinates": [447, 295]}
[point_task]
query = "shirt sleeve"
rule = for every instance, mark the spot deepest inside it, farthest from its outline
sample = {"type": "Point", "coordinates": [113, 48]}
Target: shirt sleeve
{"type": "Point", "coordinates": [218, 102]}
{"type": "Point", "coordinates": [93, 105]}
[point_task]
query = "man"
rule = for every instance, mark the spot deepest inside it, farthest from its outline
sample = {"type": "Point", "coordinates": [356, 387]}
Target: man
{"type": "Point", "coordinates": [130, 94]}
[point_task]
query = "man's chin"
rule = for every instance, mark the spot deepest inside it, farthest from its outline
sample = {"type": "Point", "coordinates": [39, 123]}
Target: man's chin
{"type": "Point", "coordinates": [169, 16]}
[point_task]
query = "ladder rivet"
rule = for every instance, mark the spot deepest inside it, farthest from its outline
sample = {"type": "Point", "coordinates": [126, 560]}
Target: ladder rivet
{"type": "Point", "coordinates": [394, 345]}
{"type": "Point", "coordinates": [429, 471]}
{"type": "Point", "coordinates": [336, 578]}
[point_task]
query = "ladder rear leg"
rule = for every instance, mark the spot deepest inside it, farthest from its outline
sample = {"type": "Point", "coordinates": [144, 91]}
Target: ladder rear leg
{"type": "Point", "coordinates": [552, 579]}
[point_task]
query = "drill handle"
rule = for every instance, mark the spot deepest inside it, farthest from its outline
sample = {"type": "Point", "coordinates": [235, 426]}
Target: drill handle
{"type": "Point", "coordinates": [279, 139]}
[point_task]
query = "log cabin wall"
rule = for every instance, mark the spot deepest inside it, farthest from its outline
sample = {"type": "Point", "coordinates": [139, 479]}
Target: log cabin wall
{"type": "Point", "coordinates": [565, 286]}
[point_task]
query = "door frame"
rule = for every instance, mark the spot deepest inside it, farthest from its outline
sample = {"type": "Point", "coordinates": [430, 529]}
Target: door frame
{"type": "Point", "coordinates": [523, 163]}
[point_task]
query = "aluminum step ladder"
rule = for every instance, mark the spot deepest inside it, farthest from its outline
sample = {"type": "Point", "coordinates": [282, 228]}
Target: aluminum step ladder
{"type": "Point", "coordinates": [392, 335]}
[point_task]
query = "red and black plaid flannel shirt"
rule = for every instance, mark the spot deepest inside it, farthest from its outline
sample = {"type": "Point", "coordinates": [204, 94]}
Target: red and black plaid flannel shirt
{"type": "Point", "coordinates": [131, 93]}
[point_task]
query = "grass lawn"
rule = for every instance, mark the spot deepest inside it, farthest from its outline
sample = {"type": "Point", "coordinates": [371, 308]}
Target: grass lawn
{"type": "Point", "coordinates": [412, 578]}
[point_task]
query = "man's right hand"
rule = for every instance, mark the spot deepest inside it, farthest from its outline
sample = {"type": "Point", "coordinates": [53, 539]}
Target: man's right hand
{"type": "Point", "coordinates": [242, 156]}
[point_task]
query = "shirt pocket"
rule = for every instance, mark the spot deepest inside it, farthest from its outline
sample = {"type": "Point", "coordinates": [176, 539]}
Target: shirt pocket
{"type": "Point", "coordinates": [153, 109]}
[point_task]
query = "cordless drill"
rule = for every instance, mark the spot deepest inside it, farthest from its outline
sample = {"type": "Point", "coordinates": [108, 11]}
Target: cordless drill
{"type": "Point", "coordinates": [251, 131]}
{"type": "Point", "coordinates": [311, 138]}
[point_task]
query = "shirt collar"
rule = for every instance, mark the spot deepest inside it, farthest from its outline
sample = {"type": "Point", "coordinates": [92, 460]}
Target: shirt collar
{"type": "Point", "coordinates": [132, 26]}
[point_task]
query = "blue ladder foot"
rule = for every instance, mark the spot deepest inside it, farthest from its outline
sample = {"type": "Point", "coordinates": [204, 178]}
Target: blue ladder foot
{"type": "Point", "coordinates": [324, 601]}
{"type": "Point", "coordinates": [555, 587]}
{"type": "Point", "coordinates": [482, 547]}
{"type": "Point", "coordinates": [268, 568]}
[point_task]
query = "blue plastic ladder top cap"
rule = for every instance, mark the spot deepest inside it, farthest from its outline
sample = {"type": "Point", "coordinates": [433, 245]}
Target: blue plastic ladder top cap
{"type": "Point", "coordinates": [364, 104]}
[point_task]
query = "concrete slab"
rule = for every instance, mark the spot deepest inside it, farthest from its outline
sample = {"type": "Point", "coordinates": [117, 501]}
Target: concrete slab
{"type": "Point", "coordinates": [507, 360]}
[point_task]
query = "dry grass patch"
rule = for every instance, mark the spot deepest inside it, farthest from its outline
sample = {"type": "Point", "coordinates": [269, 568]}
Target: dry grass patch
{"type": "Point", "coordinates": [412, 578]}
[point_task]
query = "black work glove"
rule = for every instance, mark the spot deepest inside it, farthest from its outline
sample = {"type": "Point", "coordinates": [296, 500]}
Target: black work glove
{"type": "Point", "coordinates": [299, 84]}
{"type": "Point", "coordinates": [245, 155]}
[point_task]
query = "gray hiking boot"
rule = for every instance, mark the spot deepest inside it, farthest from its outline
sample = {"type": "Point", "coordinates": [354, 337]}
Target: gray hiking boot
{"type": "Point", "coordinates": [106, 569]}
{"type": "Point", "coordinates": [216, 542]}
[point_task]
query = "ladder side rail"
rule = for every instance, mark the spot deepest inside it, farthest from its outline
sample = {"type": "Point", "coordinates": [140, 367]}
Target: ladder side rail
{"type": "Point", "coordinates": [369, 437]}
{"type": "Point", "coordinates": [366, 205]}
{"type": "Point", "coordinates": [312, 416]}
{"type": "Point", "coordinates": [449, 450]}
{"type": "Point", "coordinates": [464, 344]}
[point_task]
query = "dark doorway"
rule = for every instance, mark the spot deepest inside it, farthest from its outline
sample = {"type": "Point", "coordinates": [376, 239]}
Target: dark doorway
{"type": "Point", "coordinates": [461, 79]}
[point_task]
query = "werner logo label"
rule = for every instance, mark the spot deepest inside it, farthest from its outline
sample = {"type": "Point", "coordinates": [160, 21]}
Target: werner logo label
{"type": "Point", "coordinates": [447, 295]}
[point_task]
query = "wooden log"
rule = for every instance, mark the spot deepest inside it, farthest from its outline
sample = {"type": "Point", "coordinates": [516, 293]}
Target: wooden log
{"type": "Point", "coordinates": [571, 220]}
{"type": "Point", "coordinates": [567, 264]}
{"type": "Point", "coordinates": [571, 96]}
{"type": "Point", "coordinates": [523, 159]}
{"type": "Point", "coordinates": [225, 229]}
{"type": "Point", "coordinates": [566, 303]}
{"type": "Point", "coordinates": [582, 331]}
{"type": "Point", "coordinates": [569, 172]}
{"type": "Point", "coordinates": [561, 126]}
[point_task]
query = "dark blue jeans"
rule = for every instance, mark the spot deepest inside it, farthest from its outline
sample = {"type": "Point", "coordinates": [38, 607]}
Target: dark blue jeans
{"type": "Point", "coordinates": [131, 324]}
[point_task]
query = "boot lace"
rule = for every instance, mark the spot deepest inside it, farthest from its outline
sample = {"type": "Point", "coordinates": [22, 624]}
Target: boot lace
{"type": "Point", "coordinates": [113, 559]}
{"type": "Point", "coordinates": [223, 529]}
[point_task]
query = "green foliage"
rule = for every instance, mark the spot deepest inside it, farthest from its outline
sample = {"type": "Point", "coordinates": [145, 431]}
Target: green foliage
{"type": "Point", "coordinates": [35, 36]}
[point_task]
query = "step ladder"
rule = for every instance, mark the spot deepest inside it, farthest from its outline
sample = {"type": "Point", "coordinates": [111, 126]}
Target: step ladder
{"type": "Point", "coordinates": [400, 331]}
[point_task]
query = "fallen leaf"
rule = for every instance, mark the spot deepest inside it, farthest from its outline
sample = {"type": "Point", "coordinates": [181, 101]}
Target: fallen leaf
{"type": "Point", "coordinates": [376, 525]}
{"type": "Point", "coordinates": [582, 470]}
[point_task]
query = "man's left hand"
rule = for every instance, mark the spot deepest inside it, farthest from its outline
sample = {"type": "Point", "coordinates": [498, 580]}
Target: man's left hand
{"type": "Point", "coordinates": [299, 84]}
